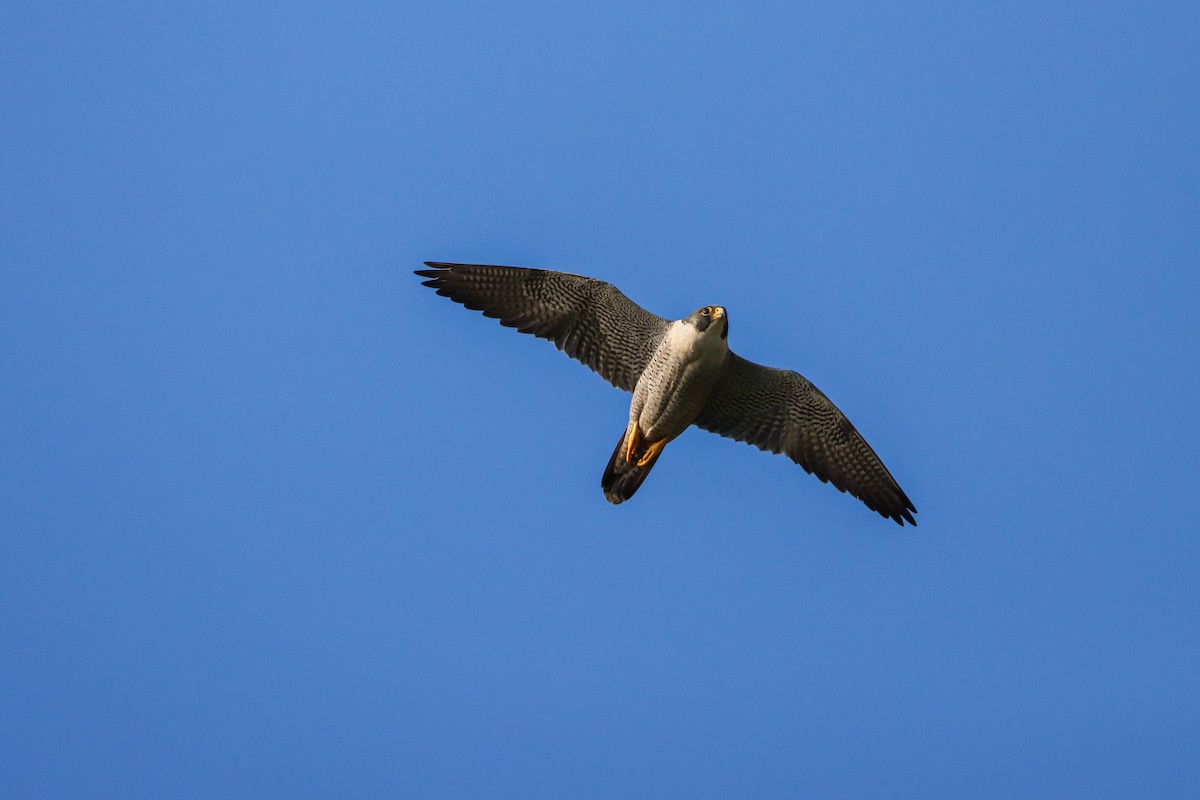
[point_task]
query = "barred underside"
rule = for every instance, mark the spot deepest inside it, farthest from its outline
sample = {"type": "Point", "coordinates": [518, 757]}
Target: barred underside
{"type": "Point", "coordinates": [588, 319]}
{"type": "Point", "coordinates": [782, 412]}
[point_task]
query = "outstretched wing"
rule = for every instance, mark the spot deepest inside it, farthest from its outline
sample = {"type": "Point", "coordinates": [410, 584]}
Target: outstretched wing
{"type": "Point", "coordinates": [781, 411]}
{"type": "Point", "coordinates": [588, 319]}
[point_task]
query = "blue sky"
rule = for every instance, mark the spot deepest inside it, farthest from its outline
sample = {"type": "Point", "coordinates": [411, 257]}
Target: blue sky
{"type": "Point", "coordinates": [280, 522]}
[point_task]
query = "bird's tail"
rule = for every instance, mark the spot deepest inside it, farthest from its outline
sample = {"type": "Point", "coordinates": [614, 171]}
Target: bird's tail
{"type": "Point", "coordinates": [629, 465]}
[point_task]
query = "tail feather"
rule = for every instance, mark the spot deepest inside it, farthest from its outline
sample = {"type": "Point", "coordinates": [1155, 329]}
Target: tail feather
{"type": "Point", "coordinates": [622, 478]}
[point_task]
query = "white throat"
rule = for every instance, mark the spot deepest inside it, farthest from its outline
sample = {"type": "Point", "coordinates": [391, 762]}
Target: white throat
{"type": "Point", "coordinates": [693, 345]}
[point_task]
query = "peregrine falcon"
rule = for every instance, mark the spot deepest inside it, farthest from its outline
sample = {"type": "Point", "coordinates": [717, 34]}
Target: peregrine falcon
{"type": "Point", "coordinates": [681, 373]}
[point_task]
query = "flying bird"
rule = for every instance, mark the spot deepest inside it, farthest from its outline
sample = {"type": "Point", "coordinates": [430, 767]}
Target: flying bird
{"type": "Point", "coordinates": [681, 373]}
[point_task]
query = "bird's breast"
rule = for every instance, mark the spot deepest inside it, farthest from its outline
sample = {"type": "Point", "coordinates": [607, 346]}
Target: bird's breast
{"type": "Point", "coordinates": [677, 381]}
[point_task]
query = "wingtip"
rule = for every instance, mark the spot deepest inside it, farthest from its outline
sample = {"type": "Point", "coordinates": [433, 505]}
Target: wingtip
{"type": "Point", "coordinates": [900, 516]}
{"type": "Point", "coordinates": [437, 269]}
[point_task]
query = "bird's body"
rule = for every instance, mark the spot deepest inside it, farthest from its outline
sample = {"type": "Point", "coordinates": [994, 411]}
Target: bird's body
{"type": "Point", "coordinates": [680, 373]}
{"type": "Point", "coordinates": [677, 381]}
{"type": "Point", "coordinates": [668, 396]}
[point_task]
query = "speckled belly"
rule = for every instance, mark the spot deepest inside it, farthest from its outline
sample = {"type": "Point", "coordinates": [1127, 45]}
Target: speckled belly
{"type": "Point", "coordinates": [672, 390]}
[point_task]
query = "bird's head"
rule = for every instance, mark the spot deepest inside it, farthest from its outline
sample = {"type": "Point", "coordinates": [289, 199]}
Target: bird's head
{"type": "Point", "coordinates": [710, 319]}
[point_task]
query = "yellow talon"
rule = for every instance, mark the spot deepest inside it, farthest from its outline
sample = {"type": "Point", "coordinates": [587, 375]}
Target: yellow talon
{"type": "Point", "coordinates": [652, 451]}
{"type": "Point", "coordinates": [632, 439]}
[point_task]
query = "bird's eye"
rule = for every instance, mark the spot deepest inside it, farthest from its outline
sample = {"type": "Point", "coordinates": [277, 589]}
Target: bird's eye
{"type": "Point", "coordinates": [706, 311]}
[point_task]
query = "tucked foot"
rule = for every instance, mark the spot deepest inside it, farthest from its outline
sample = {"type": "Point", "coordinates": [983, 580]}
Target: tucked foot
{"type": "Point", "coordinates": [652, 451]}
{"type": "Point", "coordinates": [633, 440]}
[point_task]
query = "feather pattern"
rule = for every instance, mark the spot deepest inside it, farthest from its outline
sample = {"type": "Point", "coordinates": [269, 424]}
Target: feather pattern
{"type": "Point", "coordinates": [588, 319]}
{"type": "Point", "coordinates": [782, 412]}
